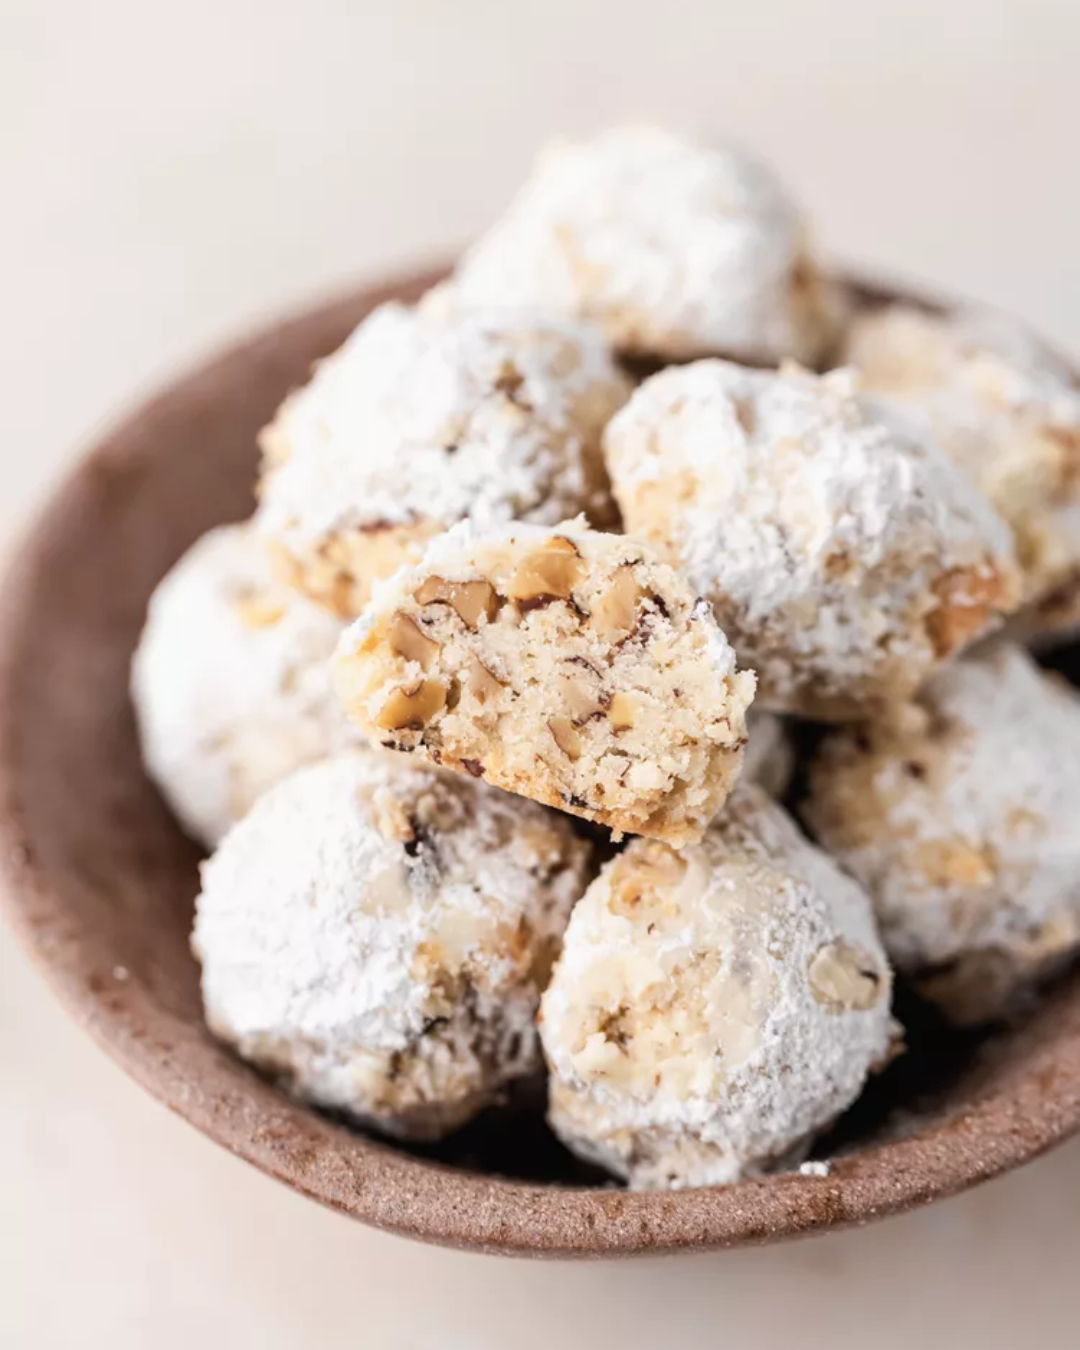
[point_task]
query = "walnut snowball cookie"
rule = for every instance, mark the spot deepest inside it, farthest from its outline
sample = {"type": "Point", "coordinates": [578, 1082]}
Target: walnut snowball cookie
{"type": "Point", "coordinates": [960, 819]}
{"type": "Point", "coordinates": [714, 1009]}
{"type": "Point", "coordinates": [1006, 411]}
{"type": "Point", "coordinates": [678, 249]}
{"type": "Point", "coordinates": [566, 665]}
{"type": "Point", "coordinates": [231, 682]}
{"type": "Point", "coordinates": [844, 555]}
{"type": "Point", "coordinates": [377, 936]}
{"type": "Point", "coordinates": [426, 417]}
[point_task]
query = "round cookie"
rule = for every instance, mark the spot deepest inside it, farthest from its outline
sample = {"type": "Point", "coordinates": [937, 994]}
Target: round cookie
{"type": "Point", "coordinates": [960, 820]}
{"type": "Point", "coordinates": [426, 417]}
{"type": "Point", "coordinates": [844, 555]}
{"type": "Point", "coordinates": [678, 249]}
{"type": "Point", "coordinates": [715, 1009]}
{"type": "Point", "coordinates": [377, 935]}
{"type": "Point", "coordinates": [565, 665]}
{"type": "Point", "coordinates": [231, 682]}
{"type": "Point", "coordinates": [1007, 412]}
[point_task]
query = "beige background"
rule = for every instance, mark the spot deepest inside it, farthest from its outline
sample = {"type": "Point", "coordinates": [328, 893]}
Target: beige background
{"type": "Point", "coordinates": [171, 173]}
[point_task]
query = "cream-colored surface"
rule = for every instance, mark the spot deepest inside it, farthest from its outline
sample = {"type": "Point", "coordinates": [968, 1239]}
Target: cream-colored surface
{"type": "Point", "coordinates": [173, 173]}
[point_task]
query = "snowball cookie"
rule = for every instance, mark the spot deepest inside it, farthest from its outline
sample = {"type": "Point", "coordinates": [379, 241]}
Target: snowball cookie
{"type": "Point", "coordinates": [1005, 410]}
{"type": "Point", "coordinates": [714, 1009]}
{"type": "Point", "coordinates": [426, 417]}
{"type": "Point", "coordinates": [378, 934]}
{"type": "Point", "coordinates": [961, 821]}
{"type": "Point", "coordinates": [844, 554]}
{"type": "Point", "coordinates": [769, 760]}
{"type": "Point", "coordinates": [231, 682]}
{"type": "Point", "coordinates": [678, 249]}
{"type": "Point", "coordinates": [566, 665]}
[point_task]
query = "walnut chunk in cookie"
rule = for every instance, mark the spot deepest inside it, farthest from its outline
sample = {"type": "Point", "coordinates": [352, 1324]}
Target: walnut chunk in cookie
{"type": "Point", "coordinates": [714, 1009]}
{"type": "Point", "coordinates": [563, 664]}
{"type": "Point", "coordinates": [377, 935]}
{"type": "Point", "coordinates": [677, 248]}
{"type": "Point", "coordinates": [231, 682]}
{"type": "Point", "coordinates": [959, 817]}
{"type": "Point", "coordinates": [426, 417]}
{"type": "Point", "coordinates": [844, 554]}
{"type": "Point", "coordinates": [1005, 411]}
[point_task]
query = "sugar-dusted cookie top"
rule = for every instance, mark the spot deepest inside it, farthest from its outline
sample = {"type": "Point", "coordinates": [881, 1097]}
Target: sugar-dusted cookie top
{"type": "Point", "coordinates": [1005, 410]}
{"type": "Point", "coordinates": [844, 554]}
{"type": "Point", "coordinates": [677, 248]}
{"type": "Point", "coordinates": [960, 818]}
{"type": "Point", "coordinates": [231, 682]}
{"type": "Point", "coordinates": [426, 417]}
{"type": "Point", "coordinates": [377, 934]}
{"type": "Point", "coordinates": [713, 1009]}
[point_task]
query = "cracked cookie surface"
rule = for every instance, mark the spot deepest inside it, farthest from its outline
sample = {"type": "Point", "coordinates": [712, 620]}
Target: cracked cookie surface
{"type": "Point", "coordinates": [377, 935]}
{"type": "Point", "coordinates": [566, 665]}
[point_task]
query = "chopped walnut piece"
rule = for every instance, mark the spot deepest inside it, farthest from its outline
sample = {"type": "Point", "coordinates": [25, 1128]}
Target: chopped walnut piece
{"type": "Point", "coordinates": [411, 705]}
{"type": "Point", "coordinates": [549, 573]}
{"type": "Point", "coordinates": [468, 599]}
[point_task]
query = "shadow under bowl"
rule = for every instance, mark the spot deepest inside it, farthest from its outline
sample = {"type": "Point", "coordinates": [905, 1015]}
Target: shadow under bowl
{"type": "Point", "coordinates": [100, 883]}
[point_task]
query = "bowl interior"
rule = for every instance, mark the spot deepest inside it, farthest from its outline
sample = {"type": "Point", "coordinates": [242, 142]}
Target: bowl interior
{"type": "Point", "coordinates": [101, 882]}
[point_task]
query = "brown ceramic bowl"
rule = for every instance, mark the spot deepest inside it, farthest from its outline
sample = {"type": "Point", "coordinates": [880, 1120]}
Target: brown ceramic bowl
{"type": "Point", "coordinates": [100, 882]}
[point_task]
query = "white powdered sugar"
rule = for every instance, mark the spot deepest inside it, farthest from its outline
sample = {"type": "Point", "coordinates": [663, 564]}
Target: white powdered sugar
{"type": "Point", "coordinates": [716, 1008]}
{"type": "Point", "coordinates": [843, 553]}
{"type": "Point", "coordinates": [1002, 407]}
{"type": "Point", "coordinates": [378, 934]}
{"type": "Point", "coordinates": [231, 682]}
{"type": "Point", "coordinates": [428, 417]}
{"type": "Point", "coordinates": [960, 818]}
{"type": "Point", "coordinates": [678, 249]}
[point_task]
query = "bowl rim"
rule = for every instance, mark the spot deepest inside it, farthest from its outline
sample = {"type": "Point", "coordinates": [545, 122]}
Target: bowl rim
{"type": "Point", "coordinates": [369, 1179]}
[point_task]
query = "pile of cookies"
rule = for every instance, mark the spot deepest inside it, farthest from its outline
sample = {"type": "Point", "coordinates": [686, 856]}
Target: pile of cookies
{"type": "Point", "coordinates": [575, 542]}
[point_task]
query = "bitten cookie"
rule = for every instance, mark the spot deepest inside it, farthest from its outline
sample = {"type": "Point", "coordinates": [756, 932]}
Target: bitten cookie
{"type": "Point", "coordinates": [678, 249]}
{"type": "Point", "coordinates": [845, 556]}
{"type": "Point", "coordinates": [960, 818]}
{"type": "Point", "coordinates": [231, 682]}
{"type": "Point", "coordinates": [565, 665]}
{"type": "Point", "coordinates": [377, 935]}
{"type": "Point", "coordinates": [426, 417]}
{"type": "Point", "coordinates": [714, 1009]}
{"type": "Point", "coordinates": [1007, 412]}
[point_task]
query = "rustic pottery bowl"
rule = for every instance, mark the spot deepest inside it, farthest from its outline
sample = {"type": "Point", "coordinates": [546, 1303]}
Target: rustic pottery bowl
{"type": "Point", "coordinates": [99, 881]}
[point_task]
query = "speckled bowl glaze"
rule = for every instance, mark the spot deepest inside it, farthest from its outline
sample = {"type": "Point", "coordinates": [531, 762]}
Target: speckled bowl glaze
{"type": "Point", "coordinates": [100, 882]}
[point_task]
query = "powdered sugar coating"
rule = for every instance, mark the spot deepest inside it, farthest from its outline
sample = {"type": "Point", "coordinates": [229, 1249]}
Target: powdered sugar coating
{"type": "Point", "coordinates": [565, 664]}
{"type": "Point", "coordinates": [844, 554]}
{"type": "Point", "coordinates": [426, 417]}
{"type": "Point", "coordinates": [960, 818]}
{"type": "Point", "coordinates": [231, 682]}
{"type": "Point", "coordinates": [677, 248]}
{"type": "Point", "coordinates": [377, 935]}
{"type": "Point", "coordinates": [1004, 409]}
{"type": "Point", "coordinates": [713, 1009]}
